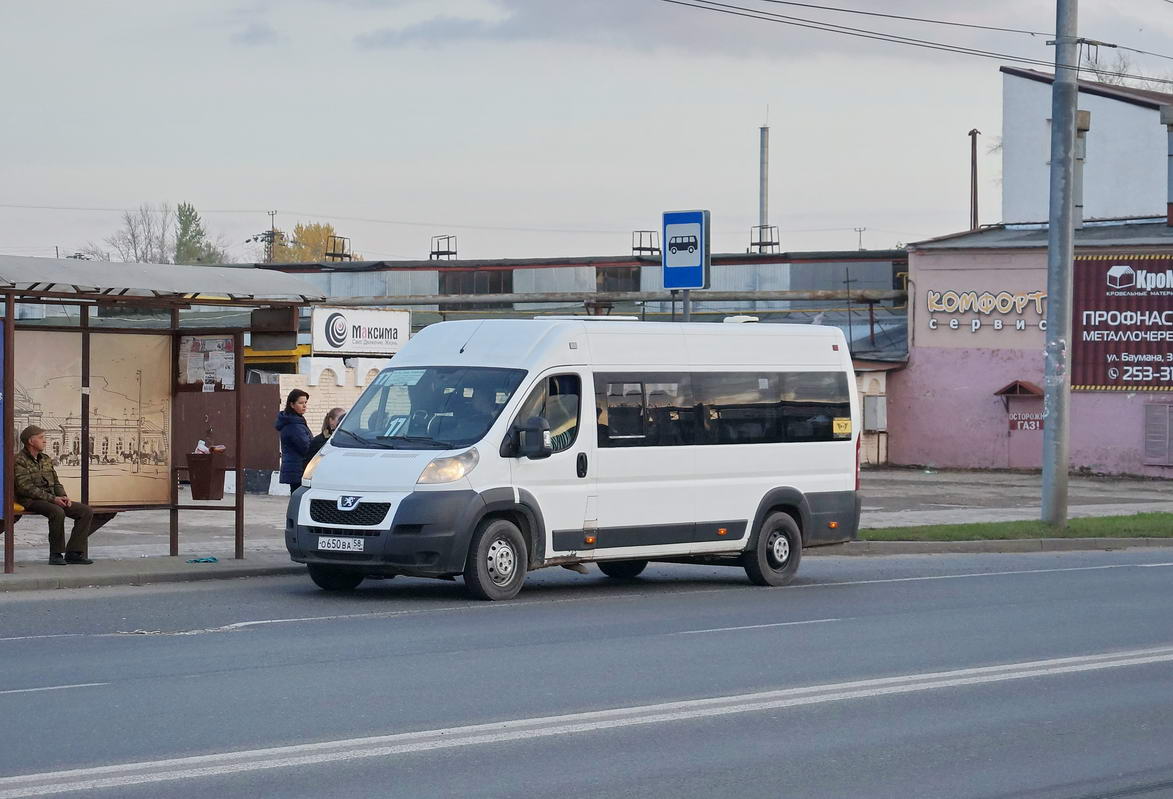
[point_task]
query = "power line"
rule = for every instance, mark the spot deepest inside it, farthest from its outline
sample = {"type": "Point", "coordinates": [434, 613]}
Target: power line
{"type": "Point", "coordinates": [864, 33]}
{"type": "Point", "coordinates": [950, 23]}
{"type": "Point", "coordinates": [912, 19]}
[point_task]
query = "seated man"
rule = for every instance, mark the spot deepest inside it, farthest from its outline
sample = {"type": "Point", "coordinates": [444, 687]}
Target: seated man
{"type": "Point", "coordinates": [39, 490]}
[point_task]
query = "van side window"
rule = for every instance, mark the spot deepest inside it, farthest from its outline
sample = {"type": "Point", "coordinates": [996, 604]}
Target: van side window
{"type": "Point", "coordinates": [740, 407]}
{"type": "Point", "coordinates": [620, 409]}
{"type": "Point", "coordinates": [811, 401]}
{"type": "Point", "coordinates": [558, 400]}
{"type": "Point", "coordinates": [666, 409]}
{"type": "Point", "coordinates": [654, 410]}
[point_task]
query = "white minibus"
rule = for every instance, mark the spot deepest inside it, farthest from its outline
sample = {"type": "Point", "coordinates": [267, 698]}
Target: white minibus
{"type": "Point", "coordinates": [494, 447]}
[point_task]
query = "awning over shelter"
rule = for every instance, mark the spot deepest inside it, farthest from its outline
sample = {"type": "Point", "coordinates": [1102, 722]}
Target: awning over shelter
{"type": "Point", "coordinates": [174, 282]}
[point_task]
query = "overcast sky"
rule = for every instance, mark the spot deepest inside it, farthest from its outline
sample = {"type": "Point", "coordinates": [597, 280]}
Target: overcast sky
{"type": "Point", "coordinates": [527, 128]}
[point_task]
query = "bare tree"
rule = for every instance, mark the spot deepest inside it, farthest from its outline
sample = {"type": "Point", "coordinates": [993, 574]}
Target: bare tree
{"type": "Point", "coordinates": [147, 235]}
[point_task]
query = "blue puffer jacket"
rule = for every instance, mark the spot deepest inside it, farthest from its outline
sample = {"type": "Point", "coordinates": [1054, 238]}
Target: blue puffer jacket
{"type": "Point", "coordinates": [295, 442]}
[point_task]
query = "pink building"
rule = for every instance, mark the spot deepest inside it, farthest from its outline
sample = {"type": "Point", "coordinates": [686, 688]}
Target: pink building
{"type": "Point", "coordinates": [971, 393]}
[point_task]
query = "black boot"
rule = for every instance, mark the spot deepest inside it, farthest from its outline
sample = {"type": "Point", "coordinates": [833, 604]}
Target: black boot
{"type": "Point", "coordinates": [56, 559]}
{"type": "Point", "coordinates": [77, 557]}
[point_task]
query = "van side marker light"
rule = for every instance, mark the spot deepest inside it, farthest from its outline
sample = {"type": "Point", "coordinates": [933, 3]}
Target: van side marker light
{"type": "Point", "coordinates": [834, 348]}
{"type": "Point", "coordinates": [722, 531]}
{"type": "Point", "coordinates": [832, 525]}
{"type": "Point", "coordinates": [589, 540]}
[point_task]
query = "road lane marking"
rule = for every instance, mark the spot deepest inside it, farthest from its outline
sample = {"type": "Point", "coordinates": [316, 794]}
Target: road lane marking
{"type": "Point", "coordinates": [225, 763]}
{"type": "Point", "coordinates": [38, 637]}
{"type": "Point", "coordinates": [54, 688]}
{"type": "Point", "coordinates": [523, 603]}
{"type": "Point", "coordinates": [755, 626]}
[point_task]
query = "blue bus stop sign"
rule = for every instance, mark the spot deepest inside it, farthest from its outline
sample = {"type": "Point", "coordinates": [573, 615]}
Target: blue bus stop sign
{"type": "Point", "coordinates": [684, 245]}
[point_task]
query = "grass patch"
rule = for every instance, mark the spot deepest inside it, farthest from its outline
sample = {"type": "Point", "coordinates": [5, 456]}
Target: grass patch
{"type": "Point", "coordinates": [1137, 525]}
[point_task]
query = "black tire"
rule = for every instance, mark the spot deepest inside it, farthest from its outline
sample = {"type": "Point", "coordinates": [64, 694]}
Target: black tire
{"type": "Point", "coordinates": [622, 569]}
{"type": "Point", "coordinates": [331, 578]}
{"type": "Point", "coordinates": [692, 249]}
{"type": "Point", "coordinates": [497, 561]}
{"type": "Point", "coordinates": [777, 551]}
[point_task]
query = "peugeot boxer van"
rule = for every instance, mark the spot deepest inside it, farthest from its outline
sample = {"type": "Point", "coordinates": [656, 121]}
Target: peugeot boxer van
{"type": "Point", "coordinates": [495, 447]}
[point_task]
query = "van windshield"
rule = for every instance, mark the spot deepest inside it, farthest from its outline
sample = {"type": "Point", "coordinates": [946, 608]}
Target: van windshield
{"type": "Point", "coordinates": [433, 407]}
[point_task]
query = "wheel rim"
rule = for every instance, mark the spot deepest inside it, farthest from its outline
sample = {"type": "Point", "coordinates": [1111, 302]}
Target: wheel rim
{"type": "Point", "coordinates": [778, 549]}
{"type": "Point", "coordinates": [502, 561]}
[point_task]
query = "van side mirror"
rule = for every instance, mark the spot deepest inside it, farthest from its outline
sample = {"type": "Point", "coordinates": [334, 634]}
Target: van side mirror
{"type": "Point", "coordinates": [533, 439]}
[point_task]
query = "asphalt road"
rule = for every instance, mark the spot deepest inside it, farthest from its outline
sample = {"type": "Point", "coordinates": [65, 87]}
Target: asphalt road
{"type": "Point", "coordinates": [1044, 675]}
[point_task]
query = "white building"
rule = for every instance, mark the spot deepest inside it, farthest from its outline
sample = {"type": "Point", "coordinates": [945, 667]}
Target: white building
{"type": "Point", "coordinates": [1124, 175]}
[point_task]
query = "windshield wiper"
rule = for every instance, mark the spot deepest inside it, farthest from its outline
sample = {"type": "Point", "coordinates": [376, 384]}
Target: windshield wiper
{"type": "Point", "coordinates": [365, 442]}
{"type": "Point", "coordinates": [417, 440]}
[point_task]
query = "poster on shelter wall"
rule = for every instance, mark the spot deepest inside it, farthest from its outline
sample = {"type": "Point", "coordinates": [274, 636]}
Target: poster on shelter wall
{"type": "Point", "coordinates": [1122, 323]}
{"type": "Point", "coordinates": [130, 419]}
{"type": "Point", "coordinates": [48, 384]}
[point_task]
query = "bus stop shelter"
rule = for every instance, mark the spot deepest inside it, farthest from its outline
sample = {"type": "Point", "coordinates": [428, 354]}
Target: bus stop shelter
{"type": "Point", "coordinates": [105, 356]}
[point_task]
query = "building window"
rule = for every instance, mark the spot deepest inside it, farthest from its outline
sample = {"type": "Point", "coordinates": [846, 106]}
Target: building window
{"type": "Point", "coordinates": [617, 278]}
{"type": "Point", "coordinates": [475, 281]}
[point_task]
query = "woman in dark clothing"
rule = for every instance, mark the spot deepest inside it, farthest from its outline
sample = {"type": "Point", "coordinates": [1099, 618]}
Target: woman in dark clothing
{"type": "Point", "coordinates": [295, 438]}
{"type": "Point", "coordinates": [329, 425]}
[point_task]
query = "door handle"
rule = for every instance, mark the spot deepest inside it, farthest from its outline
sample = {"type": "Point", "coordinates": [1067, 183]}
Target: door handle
{"type": "Point", "coordinates": [582, 464]}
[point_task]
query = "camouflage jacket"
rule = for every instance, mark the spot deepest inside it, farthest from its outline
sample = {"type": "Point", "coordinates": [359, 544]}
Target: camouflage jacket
{"type": "Point", "coordinates": [35, 478]}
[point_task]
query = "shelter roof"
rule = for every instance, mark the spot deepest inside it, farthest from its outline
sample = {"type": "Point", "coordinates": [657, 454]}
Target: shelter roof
{"type": "Point", "coordinates": [129, 281]}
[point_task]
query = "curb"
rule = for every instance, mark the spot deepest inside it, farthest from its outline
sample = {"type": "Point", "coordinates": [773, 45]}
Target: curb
{"type": "Point", "coordinates": [190, 574]}
{"type": "Point", "coordinates": [1009, 545]}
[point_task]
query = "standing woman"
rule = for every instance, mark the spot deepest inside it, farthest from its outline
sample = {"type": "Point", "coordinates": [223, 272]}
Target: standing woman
{"type": "Point", "coordinates": [295, 438]}
{"type": "Point", "coordinates": [329, 425]}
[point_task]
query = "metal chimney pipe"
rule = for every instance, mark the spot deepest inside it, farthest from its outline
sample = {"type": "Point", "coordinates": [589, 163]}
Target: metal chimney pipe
{"type": "Point", "coordinates": [1083, 123]}
{"type": "Point", "coordinates": [1167, 121]}
{"type": "Point", "coordinates": [764, 181]}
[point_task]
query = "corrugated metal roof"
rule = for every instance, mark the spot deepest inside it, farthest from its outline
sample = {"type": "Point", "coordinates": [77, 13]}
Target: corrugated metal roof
{"type": "Point", "coordinates": [1092, 234]}
{"type": "Point", "coordinates": [1142, 97]}
{"type": "Point", "coordinates": [151, 280]}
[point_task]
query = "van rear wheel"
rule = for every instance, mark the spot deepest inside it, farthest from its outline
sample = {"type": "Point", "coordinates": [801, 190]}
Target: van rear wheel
{"type": "Point", "coordinates": [331, 578]}
{"type": "Point", "coordinates": [622, 569]}
{"type": "Point", "coordinates": [497, 560]}
{"type": "Point", "coordinates": [776, 554]}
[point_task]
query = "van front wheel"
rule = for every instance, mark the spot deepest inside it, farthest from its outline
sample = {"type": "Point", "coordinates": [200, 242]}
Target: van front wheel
{"type": "Point", "coordinates": [622, 569]}
{"type": "Point", "coordinates": [775, 557]}
{"type": "Point", "coordinates": [497, 560]}
{"type": "Point", "coordinates": [329, 578]}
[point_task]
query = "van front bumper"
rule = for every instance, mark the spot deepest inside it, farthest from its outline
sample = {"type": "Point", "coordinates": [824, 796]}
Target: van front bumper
{"type": "Point", "coordinates": [428, 536]}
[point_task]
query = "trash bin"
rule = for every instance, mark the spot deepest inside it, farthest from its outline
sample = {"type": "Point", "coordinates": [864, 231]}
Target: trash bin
{"type": "Point", "coordinates": [206, 473]}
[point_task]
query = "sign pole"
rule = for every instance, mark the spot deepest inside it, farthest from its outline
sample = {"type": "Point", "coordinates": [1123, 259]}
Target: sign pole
{"type": "Point", "coordinates": [687, 306]}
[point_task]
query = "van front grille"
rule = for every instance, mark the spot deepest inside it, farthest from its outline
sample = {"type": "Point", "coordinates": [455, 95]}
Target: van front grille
{"type": "Point", "coordinates": [325, 511]}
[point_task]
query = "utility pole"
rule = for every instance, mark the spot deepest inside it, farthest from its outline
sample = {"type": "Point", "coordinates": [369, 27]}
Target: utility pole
{"type": "Point", "coordinates": [860, 231]}
{"type": "Point", "coordinates": [1060, 255]}
{"type": "Point", "coordinates": [973, 189]}
{"type": "Point", "coordinates": [138, 447]}
{"type": "Point", "coordinates": [272, 236]}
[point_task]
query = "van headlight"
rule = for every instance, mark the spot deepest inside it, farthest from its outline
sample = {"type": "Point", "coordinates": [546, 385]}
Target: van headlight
{"type": "Point", "coordinates": [449, 470]}
{"type": "Point", "coordinates": [310, 467]}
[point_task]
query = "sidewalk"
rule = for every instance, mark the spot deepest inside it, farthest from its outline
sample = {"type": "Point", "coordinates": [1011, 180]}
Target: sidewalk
{"type": "Point", "coordinates": [132, 549]}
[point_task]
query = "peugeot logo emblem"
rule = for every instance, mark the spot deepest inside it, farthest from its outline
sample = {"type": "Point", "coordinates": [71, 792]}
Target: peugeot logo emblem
{"type": "Point", "coordinates": [348, 503]}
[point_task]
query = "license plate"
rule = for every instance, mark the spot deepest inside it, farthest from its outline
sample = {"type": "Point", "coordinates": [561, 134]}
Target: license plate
{"type": "Point", "coordinates": [340, 544]}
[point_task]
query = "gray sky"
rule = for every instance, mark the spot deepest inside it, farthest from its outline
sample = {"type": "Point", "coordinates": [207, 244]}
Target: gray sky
{"type": "Point", "coordinates": [525, 127]}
